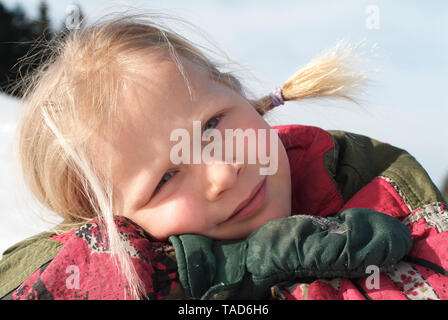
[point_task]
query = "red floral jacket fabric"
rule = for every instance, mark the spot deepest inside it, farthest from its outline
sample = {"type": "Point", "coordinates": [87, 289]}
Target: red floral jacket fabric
{"type": "Point", "coordinates": [330, 171]}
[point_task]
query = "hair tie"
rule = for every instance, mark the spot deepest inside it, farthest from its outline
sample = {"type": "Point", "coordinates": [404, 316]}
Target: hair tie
{"type": "Point", "coordinates": [277, 97]}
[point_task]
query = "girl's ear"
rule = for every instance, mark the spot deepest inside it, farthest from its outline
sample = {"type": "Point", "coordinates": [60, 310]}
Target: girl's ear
{"type": "Point", "coordinates": [330, 74]}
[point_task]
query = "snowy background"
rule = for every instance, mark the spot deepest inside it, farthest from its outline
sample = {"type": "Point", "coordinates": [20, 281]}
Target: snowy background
{"type": "Point", "coordinates": [407, 106]}
{"type": "Point", "coordinates": [18, 219]}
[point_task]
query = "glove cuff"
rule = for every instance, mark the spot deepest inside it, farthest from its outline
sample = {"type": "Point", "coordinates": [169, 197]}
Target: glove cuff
{"type": "Point", "coordinates": [209, 269]}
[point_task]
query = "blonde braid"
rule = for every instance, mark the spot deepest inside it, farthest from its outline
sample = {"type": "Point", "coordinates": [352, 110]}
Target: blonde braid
{"type": "Point", "coordinates": [331, 74]}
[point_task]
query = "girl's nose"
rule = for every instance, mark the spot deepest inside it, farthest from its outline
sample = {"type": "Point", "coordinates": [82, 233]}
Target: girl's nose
{"type": "Point", "coordinates": [219, 177]}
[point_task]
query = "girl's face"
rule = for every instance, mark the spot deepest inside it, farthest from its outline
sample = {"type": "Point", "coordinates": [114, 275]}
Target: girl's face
{"type": "Point", "coordinates": [170, 199]}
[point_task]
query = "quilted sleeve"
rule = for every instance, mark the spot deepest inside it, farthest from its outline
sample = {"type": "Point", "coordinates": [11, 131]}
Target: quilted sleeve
{"type": "Point", "coordinates": [83, 268]}
{"type": "Point", "coordinates": [356, 160]}
{"type": "Point", "coordinates": [374, 175]}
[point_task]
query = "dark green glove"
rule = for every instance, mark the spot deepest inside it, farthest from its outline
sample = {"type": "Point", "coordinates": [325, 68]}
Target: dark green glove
{"type": "Point", "coordinates": [287, 249]}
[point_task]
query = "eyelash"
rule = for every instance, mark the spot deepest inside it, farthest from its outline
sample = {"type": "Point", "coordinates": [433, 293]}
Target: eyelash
{"type": "Point", "coordinates": [160, 185]}
{"type": "Point", "coordinates": [174, 172]}
{"type": "Point", "coordinates": [218, 117]}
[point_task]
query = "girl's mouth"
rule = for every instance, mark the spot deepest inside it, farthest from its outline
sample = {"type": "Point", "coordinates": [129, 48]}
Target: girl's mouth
{"type": "Point", "coordinates": [251, 204]}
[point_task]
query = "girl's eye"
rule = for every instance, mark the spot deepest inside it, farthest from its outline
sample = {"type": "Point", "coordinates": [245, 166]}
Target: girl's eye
{"type": "Point", "coordinates": [212, 123]}
{"type": "Point", "coordinates": [167, 176]}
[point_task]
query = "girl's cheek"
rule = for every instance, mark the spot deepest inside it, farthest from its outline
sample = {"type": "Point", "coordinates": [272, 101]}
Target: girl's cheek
{"type": "Point", "coordinates": [182, 216]}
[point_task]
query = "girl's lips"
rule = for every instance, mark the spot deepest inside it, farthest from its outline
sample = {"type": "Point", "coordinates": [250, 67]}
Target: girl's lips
{"type": "Point", "coordinates": [252, 204]}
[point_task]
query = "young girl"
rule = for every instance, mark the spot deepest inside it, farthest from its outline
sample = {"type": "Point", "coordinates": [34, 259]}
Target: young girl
{"type": "Point", "coordinates": [96, 147]}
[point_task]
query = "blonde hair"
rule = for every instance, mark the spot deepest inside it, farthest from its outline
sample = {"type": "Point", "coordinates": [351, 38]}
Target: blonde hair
{"type": "Point", "coordinates": [74, 93]}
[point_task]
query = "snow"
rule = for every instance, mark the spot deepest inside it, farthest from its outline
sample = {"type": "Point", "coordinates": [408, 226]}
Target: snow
{"type": "Point", "coordinates": [18, 219]}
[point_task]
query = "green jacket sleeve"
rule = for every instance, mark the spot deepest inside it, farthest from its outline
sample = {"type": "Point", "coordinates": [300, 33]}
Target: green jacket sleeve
{"type": "Point", "coordinates": [22, 259]}
{"type": "Point", "coordinates": [355, 160]}
{"type": "Point", "coordinates": [287, 249]}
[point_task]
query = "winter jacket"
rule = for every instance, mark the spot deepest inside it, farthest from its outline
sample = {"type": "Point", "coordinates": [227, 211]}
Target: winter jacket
{"type": "Point", "coordinates": [331, 173]}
